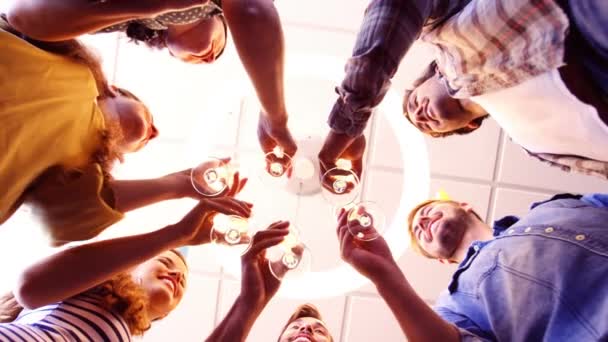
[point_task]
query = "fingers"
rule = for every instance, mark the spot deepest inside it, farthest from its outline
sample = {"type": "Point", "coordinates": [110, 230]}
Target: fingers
{"type": "Point", "coordinates": [342, 218]}
{"type": "Point", "coordinates": [230, 206]}
{"type": "Point", "coordinates": [272, 236]}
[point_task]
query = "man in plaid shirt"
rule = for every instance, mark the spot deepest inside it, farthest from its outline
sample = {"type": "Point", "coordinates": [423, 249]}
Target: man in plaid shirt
{"type": "Point", "coordinates": [481, 47]}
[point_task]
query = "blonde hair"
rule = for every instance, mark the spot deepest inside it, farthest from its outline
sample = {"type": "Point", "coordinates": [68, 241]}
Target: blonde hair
{"type": "Point", "coordinates": [305, 310]}
{"type": "Point", "coordinates": [410, 225]}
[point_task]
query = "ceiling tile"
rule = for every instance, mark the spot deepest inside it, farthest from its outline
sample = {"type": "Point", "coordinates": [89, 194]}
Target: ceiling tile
{"type": "Point", "coordinates": [520, 169]}
{"type": "Point", "coordinates": [477, 195]}
{"type": "Point", "coordinates": [370, 319]}
{"type": "Point", "coordinates": [323, 13]}
{"type": "Point", "coordinates": [515, 202]}
{"type": "Point", "coordinates": [470, 156]}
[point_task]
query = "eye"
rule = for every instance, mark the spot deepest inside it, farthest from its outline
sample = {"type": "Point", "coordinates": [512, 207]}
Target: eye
{"type": "Point", "coordinates": [320, 331]}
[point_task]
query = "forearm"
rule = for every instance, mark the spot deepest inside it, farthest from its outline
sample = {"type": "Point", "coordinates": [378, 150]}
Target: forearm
{"type": "Point", "coordinates": [388, 30]}
{"type": "Point", "coordinates": [56, 20]}
{"type": "Point", "coordinates": [77, 269]}
{"type": "Point", "coordinates": [237, 323]}
{"type": "Point", "coordinates": [258, 36]}
{"type": "Point", "coordinates": [133, 194]}
{"type": "Point", "coordinates": [416, 319]}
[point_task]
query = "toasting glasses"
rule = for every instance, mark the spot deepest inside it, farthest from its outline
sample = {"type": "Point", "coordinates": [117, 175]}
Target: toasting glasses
{"type": "Point", "coordinates": [341, 187]}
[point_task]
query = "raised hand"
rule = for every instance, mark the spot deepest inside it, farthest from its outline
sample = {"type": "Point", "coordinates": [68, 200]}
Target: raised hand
{"type": "Point", "coordinates": [272, 134]}
{"type": "Point", "coordinates": [258, 285]}
{"type": "Point", "coordinates": [341, 146]}
{"type": "Point", "coordinates": [195, 227]}
{"type": "Point", "coordinates": [373, 259]}
{"type": "Point", "coordinates": [181, 183]}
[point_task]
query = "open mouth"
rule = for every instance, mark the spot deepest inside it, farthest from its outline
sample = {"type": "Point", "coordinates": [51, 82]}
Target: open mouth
{"type": "Point", "coordinates": [302, 338]}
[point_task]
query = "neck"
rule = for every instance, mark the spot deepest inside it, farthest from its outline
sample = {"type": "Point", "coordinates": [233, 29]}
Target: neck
{"type": "Point", "coordinates": [477, 231]}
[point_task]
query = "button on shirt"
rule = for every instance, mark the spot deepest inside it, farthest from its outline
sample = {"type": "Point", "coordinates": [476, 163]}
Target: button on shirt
{"type": "Point", "coordinates": [542, 278]}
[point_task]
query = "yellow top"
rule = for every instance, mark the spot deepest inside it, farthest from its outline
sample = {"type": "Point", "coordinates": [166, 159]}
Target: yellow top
{"type": "Point", "coordinates": [49, 118]}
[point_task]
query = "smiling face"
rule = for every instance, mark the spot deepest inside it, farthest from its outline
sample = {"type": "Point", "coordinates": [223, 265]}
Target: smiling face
{"type": "Point", "coordinates": [306, 329]}
{"type": "Point", "coordinates": [198, 42]}
{"type": "Point", "coordinates": [439, 227]}
{"type": "Point", "coordinates": [431, 109]}
{"type": "Point", "coordinates": [163, 278]}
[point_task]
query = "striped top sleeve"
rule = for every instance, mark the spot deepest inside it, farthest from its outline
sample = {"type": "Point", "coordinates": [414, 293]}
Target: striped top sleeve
{"type": "Point", "coordinates": [80, 318]}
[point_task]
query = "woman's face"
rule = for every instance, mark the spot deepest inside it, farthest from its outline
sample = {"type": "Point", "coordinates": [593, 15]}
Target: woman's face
{"type": "Point", "coordinates": [163, 278]}
{"type": "Point", "coordinates": [135, 120]}
{"type": "Point", "coordinates": [306, 329]}
{"type": "Point", "coordinates": [198, 42]}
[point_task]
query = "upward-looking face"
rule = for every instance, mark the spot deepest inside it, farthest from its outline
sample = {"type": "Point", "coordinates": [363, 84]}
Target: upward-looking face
{"type": "Point", "coordinates": [305, 329]}
{"type": "Point", "coordinates": [201, 41]}
{"type": "Point", "coordinates": [439, 227]}
{"type": "Point", "coordinates": [432, 110]}
{"type": "Point", "coordinates": [163, 278]}
{"type": "Point", "coordinates": [135, 120]}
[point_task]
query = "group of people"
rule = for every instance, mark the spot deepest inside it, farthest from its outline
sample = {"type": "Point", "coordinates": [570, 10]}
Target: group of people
{"type": "Point", "coordinates": [539, 68]}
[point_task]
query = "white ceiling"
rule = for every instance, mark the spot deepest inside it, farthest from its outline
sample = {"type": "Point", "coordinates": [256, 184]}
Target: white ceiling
{"type": "Point", "coordinates": [484, 169]}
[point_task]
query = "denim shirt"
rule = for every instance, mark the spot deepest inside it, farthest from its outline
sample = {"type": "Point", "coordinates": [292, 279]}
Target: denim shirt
{"type": "Point", "coordinates": [542, 278]}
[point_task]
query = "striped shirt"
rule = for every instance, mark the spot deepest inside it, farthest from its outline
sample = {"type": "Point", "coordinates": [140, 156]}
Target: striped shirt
{"type": "Point", "coordinates": [481, 46]}
{"type": "Point", "coordinates": [80, 318]}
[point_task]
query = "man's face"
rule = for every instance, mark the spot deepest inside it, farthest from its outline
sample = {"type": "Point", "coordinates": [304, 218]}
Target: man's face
{"type": "Point", "coordinates": [306, 329]}
{"type": "Point", "coordinates": [432, 110]}
{"type": "Point", "coordinates": [439, 227]}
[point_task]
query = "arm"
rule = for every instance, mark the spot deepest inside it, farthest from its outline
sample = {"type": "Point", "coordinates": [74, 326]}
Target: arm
{"type": "Point", "coordinates": [258, 36]}
{"type": "Point", "coordinates": [237, 323]}
{"type": "Point", "coordinates": [374, 260]}
{"type": "Point", "coordinates": [77, 269]}
{"type": "Point", "coordinates": [133, 194]}
{"type": "Point", "coordinates": [258, 286]}
{"type": "Point", "coordinates": [416, 319]}
{"type": "Point", "coordinates": [388, 30]}
{"type": "Point", "coordinates": [56, 20]}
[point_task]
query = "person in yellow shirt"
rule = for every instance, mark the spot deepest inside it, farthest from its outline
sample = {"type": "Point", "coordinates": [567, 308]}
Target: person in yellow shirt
{"type": "Point", "coordinates": [62, 127]}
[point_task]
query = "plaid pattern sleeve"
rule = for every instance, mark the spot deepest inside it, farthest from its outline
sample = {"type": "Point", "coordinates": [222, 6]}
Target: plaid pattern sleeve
{"type": "Point", "coordinates": [388, 30]}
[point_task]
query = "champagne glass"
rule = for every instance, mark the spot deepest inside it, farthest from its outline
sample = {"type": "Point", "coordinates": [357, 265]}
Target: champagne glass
{"type": "Point", "coordinates": [341, 187]}
{"type": "Point", "coordinates": [276, 168]}
{"type": "Point", "coordinates": [233, 231]}
{"type": "Point", "coordinates": [212, 177]}
{"type": "Point", "coordinates": [291, 258]}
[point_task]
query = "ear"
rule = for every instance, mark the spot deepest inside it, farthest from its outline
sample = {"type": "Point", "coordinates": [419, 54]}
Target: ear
{"type": "Point", "coordinates": [466, 206]}
{"type": "Point", "coordinates": [473, 125]}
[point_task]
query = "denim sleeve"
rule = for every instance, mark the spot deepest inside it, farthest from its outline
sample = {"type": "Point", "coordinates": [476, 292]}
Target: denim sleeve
{"type": "Point", "coordinates": [597, 200]}
{"type": "Point", "coordinates": [468, 330]}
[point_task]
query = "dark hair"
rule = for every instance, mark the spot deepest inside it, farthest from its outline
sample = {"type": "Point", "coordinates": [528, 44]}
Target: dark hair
{"type": "Point", "coordinates": [430, 71]}
{"type": "Point", "coordinates": [305, 310]}
{"type": "Point", "coordinates": [157, 39]}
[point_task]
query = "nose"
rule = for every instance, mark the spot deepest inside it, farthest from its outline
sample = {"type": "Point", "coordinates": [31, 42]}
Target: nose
{"type": "Point", "coordinates": [153, 132]}
{"type": "Point", "coordinates": [177, 276]}
{"type": "Point", "coordinates": [307, 328]}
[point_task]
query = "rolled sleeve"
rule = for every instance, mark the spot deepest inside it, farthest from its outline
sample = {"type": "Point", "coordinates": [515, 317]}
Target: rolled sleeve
{"type": "Point", "coordinates": [467, 329]}
{"type": "Point", "coordinates": [73, 206]}
{"type": "Point", "coordinates": [388, 30]}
